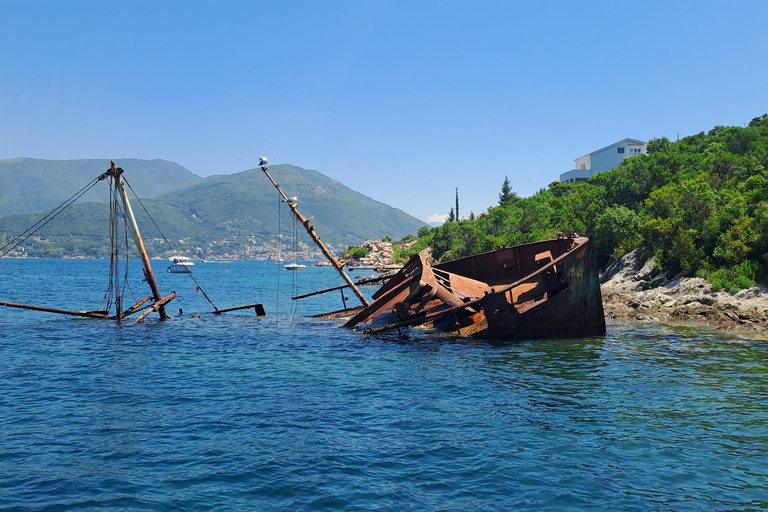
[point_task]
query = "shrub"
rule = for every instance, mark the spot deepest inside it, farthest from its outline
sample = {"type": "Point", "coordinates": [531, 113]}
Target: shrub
{"type": "Point", "coordinates": [732, 279]}
{"type": "Point", "coordinates": [355, 253]}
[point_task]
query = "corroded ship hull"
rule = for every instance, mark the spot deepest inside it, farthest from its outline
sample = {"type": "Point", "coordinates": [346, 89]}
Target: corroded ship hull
{"type": "Point", "coordinates": [539, 290]}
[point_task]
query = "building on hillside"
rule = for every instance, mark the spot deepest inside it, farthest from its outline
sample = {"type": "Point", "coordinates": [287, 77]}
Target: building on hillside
{"type": "Point", "coordinates": [603, 160]}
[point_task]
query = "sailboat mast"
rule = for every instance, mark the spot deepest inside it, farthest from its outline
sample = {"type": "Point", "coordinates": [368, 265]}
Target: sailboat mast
{"type": "Point", "coordinates": [116, 172]}
{"type": "Point", "coordinates": [311, 231]}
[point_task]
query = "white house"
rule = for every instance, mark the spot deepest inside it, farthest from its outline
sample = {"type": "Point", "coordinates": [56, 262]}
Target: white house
{"type": "Point", "coordinates": [604, 159]}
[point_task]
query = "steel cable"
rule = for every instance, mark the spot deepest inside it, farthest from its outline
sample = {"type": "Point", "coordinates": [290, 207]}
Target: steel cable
{"type": "Point", "coordinates": [197, 285]}
{"type": "Point", "coordinates": [19, 239]}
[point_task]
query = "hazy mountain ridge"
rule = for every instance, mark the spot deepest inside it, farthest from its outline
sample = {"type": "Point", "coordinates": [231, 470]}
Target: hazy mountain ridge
{"type": "Point", "coordinates": [29, 185]}
{"type": "Point", "coordinates": [248, 202]}
{"type": "Point", "coordinates": [232, 210]}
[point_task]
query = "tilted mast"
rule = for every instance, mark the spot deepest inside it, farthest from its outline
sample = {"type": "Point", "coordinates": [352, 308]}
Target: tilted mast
{"type": "Point", "coordinates": [116, 173]}
{"type": "Point", "coordinates": [311, 231]}
{"type": "Point", "coordinates": [159, 302]}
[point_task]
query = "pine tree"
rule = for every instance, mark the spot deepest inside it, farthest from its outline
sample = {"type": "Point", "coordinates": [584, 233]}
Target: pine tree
{"type": "Point", "coordinates": [506, 192]}
{"type": "Point", "coordinates": [451, 215]}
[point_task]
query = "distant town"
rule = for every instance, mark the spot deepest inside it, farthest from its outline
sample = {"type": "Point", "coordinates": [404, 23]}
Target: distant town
{"type": "Point", "coordinates": [233, 248]}
{"type": "Point", "coordinates": [280, 248]}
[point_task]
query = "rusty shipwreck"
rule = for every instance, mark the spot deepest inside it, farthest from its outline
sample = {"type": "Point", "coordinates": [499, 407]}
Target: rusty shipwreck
{"type": "Point", "coordinates": [547, 289]}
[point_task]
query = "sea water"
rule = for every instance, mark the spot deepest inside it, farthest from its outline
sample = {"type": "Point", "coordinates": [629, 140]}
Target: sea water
{"type": "Point", "coordinates": [288, 412]}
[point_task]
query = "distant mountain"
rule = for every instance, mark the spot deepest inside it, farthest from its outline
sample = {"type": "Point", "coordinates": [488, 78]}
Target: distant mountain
{"type": "Point", "coordinates": [233, 210]}
{"type": "Point", "coordinates": [247, 202]}
{"type": "Point", "coordinates": [29, 185]}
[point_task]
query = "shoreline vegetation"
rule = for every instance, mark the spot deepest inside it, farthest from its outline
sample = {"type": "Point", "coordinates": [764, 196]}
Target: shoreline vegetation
{"type": "Point", "coordinates": [698, 206]}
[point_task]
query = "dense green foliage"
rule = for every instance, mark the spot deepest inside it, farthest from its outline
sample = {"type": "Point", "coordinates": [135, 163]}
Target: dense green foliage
{"type": "Point", "coordinates": [699, 205]}
{"type": "Point", "coordinates": [355, 253]}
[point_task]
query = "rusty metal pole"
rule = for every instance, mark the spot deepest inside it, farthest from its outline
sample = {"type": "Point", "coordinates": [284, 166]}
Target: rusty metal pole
{"type": "Point", "coordinates": [116, 172]}
{"type": "Point", "coordinates": [311, 231]}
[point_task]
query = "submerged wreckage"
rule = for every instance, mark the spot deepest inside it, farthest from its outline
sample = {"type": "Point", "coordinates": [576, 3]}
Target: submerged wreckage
{"type": "Point", "coordinates": [545, 289]}
{"type": "Point", "coordinates": [120, 212]}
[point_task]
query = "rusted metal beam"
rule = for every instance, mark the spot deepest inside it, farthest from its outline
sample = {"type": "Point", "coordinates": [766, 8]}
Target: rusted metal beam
{"type": "Point", "coordinates": [341, 287]}
{"type": "Point", "coordinates": [424, 317]}
{"type": "Point", "coordinates": [135, 308]}
{"type": "Point", "coordinates": [157, 306]}
{"type": "Point", "coordinates": [259, 308]}
{"type": "Point", "coordinates": [88, 314]}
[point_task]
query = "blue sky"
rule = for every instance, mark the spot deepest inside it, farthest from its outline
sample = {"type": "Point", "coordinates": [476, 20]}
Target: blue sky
{"type": "Point", "coordinates": [403, 101]}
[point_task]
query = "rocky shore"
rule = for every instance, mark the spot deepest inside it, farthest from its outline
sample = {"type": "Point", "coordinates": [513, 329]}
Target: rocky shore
{"type": "Point", "coordinates": [634, 291]}
{"type": "Point", "coordinates": [379, 255]}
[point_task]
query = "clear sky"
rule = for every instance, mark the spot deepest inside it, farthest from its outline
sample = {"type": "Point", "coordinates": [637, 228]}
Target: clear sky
{"type": "Point", "coordinates": [403, 101]}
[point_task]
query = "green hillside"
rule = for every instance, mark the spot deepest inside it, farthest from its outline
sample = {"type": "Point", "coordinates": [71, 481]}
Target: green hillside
{"type": "Point", "coordinates": [247, 203]}
{"type": "Point", "coordinates": [29, 185]}
{"type": "Point", "coordinates": [223, 214]}
{"type": "Point", "coordinates": [699, 205]}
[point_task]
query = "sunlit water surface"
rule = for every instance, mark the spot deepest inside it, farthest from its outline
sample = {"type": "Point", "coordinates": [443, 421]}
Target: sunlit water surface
{"type": "Point", "coordinates": [286, 412]}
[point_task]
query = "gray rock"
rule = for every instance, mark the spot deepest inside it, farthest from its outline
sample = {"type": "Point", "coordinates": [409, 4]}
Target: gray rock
{"type": "Point", "coordinates": [749, 293]}
{"type": "Point", "coordinates": [626, 267]}
{"type": "Point", "coordinates": [647, 271]}
{"type": "Point", "coordinates": [629, 295]}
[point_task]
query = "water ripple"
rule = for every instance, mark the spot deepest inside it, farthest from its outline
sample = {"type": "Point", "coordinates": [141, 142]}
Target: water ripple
{"type": "Point", "coordinates": [239, 413]}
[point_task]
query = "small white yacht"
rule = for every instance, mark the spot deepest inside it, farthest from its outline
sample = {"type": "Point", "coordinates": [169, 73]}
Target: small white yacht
{"type": "Point", "coordinates": [295, 266]}
{"type": "Point", "coordinates": [180, 265]}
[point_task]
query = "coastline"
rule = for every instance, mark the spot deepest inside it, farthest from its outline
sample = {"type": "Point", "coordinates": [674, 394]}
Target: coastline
{"type": "Point", "coordinates": [633, 293]}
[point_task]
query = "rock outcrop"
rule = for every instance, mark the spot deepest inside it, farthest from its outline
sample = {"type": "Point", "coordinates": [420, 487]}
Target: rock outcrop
{"type": "Point", "coordinates": [379, 255]}
{"type": "Point", "coordinates": [633, 289]}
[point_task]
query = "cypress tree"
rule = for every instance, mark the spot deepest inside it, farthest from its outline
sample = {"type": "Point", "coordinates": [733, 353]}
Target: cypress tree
{"type": "Point", "coordinates": [457, 203]}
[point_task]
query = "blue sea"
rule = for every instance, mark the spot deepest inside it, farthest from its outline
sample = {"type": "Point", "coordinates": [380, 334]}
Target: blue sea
{"type": "Point", "coordinates": [288, 412]}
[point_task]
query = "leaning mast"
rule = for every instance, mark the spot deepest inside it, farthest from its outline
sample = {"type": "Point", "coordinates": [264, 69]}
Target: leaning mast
{"type": "Point", "coordinates": [118, 186]}
{"type": "Point", "coordinates": [116, 172]}
{"type": "Point", "coordinates": [311, 231]}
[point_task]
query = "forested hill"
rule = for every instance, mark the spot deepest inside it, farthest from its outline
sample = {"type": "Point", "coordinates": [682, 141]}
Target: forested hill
{"type": "Point", "coordinates": [29, 185]}
{"type": "Point", "coordinates": [247, 203]}
{"type": "Point", "coordinates": [228, 214]}
{"type": "Point", "coordinates": [700, 205]}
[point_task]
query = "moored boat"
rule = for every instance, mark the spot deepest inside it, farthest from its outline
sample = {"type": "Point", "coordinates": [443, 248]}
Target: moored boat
{"type": "Point", "coordinates": [180, 265]}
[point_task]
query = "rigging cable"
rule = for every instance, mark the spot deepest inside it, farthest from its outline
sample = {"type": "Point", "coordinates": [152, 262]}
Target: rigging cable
{"type": "Point", "coordinates": [197, 285]}
{"type": "Point", "coordinates": [295, 288]}
{"type": "Point", "coordinates": [126, 229]}
{"type": "Point", "coordinates": [113, 286]}
{"type": "Point", "coordinates": [19, 239]}
{"type": "Point", "coordinates": [279, 263]}
{"type": "Point", "coordinates": [114, 291]}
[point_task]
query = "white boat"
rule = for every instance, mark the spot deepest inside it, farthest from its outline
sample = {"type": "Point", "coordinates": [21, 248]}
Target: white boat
{"type": "Point", "coordinates": [295, 266]}
{"type": "Point", "coordinates": [180, 265]}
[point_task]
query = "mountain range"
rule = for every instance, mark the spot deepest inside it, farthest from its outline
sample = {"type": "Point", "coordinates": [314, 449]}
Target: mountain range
{"type": "Point", "coordinates": [30, 185]}
{"type": "Point", "coordinates": [200, 211]}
